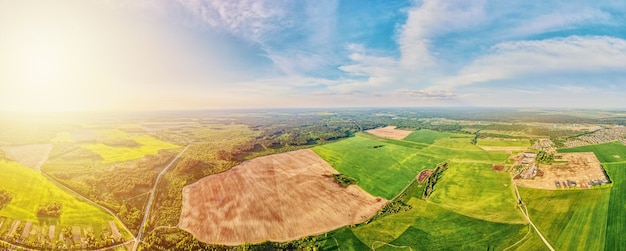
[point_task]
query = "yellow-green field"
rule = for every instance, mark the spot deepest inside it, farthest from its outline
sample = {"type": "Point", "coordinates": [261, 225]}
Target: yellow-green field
{"type": "Point", "coordinates": [109, 154]}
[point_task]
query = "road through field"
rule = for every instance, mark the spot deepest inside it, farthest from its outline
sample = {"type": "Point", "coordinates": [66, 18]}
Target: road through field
{"type": "Point", "coordinates": [525, 213]}
{"type": "Point", "coordinates": [149, 205]}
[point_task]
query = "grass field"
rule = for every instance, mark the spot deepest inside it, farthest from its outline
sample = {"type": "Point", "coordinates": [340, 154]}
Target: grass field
{"type": "Point", "coordinates": [430, 227]}
{"type": "Point", "coordinates": [30, 190]}
{"type": "Point", "coordinates": [616, 223]}
{"type": "Point", "coordinates": [149, 145]}
{"type": "Point", "coordinates": [570, 220]}
{"type": "Point", "coordinates": [382, 171]}
{"type": "Point", "coordinates": [475, 190]}
{"type": "Point", "coordinates": [426, 136]}
{"type": "Point", "coordinates": [503, 142]}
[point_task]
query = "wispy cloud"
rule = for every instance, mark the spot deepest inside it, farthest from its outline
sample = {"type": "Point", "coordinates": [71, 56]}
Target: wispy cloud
{"type": "Point", "coordinates": [574, 54]}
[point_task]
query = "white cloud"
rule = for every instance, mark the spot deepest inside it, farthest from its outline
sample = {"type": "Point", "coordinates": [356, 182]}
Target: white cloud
{"type": "Point", "coordinates": [559, 20]}
{"type": "Point", "coordinates": [434, 18]}
{"type": "Point", "coordinates": [574, 54]}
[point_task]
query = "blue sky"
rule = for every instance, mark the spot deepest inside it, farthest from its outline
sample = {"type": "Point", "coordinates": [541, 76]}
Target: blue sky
{"type": "Point", "coordinates": [277, 53]}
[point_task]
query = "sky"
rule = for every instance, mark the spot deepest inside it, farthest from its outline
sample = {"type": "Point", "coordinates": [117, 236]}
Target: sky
{"type": "Point", "coordinates": [218, 54]}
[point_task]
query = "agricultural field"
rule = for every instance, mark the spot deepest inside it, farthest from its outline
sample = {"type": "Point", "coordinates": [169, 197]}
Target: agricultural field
{"type": "Point", "coordinates": [570, 219]}
{"type": "Point", "coordinates": [31, 191]}
{"type": "Point", "coordinates": [143, 145]}
{"type": "Point", "coordinates": [389, 132]}
{"type": "Point", "coordinates": [490, 197]}
{"type": "Point", "coordinates": [610, 155]}
{"type": "Point", "coordinates": [382, 169]}
{"type": "Point", "coordinates": [280, 197]}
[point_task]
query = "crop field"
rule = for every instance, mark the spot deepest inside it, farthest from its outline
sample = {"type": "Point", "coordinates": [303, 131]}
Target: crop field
{"type": "Point", "coordinates": [429, 137]}
{"type": "Point", "coordinates": [428, 226]}
{"type": "Point", "coordinates": [279, 197]}
{"type": "Point", "coordinates": [606, 153]}
{"type": "Point", "coordinates": [382, 171]}
{"type": "Point", "coordinates": [570, 219]}
{"type": "Point", "coordinates": [611, 154]}
{"type": "Point", "coordinates": [31, 191]}
{"type": "Point", "coordinates": [616, 223]}
{"type": "Point", "coordinates": [389, 132]}
{"type": "Point", "coordinates": [28, 155]}
{"type": "Point", "coordinates": [504, 142]}
{"type": "Point", "coordinates": [148, 145]}
{"type": "Point", "coordinates": [475, 190]}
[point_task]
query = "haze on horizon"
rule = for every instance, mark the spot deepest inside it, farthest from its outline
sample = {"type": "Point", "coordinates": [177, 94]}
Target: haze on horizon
{"type": "Point", "coordinates": [165, 55]}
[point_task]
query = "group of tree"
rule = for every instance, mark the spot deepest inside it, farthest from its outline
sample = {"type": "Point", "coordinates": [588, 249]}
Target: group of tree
{"type": "Point", "coordinates": [51, 210]}
{"type": "Point", "coordinates": [434, 178]}
{"type": "Point", "coordinates": [544, 157]}
{"type": "Point", "coordinates": [5, 198]}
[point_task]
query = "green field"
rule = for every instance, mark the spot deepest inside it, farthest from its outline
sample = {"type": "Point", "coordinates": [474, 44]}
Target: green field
{"type": "Point", "coordinates": [616, 223]}
{"type": "Point", "coordinates": [476, 190]}
{"type": "Point", "coordinates": [430, 227]}
{"type": "Point", "coordinates": [612, 155]}
{"type": "Point", "coordinates": [570, 220]}
{"type": "Point", "coordinates": [31, 190]}
{"type": "Point", "coordinates": [429, 137]}
{"type": "Point", "coordinates": [471, 208]}
{"type": "Point", "coordinates": [504, 142]}
{"type": "Point", "coordinates": [382, 171]}
{"type": "Point", "coordinates": [109, 154]}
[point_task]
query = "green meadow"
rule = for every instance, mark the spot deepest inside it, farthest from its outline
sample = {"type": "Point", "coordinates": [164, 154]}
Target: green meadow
{"type": "Point", "coordinates": [570, 219]}
{"type": "Point", "coordinates": [606, 153]}
{"type": "Point", "coordinates": [475, 190]}
{"type": "Point", "coordinates": [382, 171]}
{"type": "Point", "coordinates": [109, 154]}
{"type": "Point", "coordinates": [504, 142]}
{"type": "Point", "coordinates": [31, 190]}
{"type": "Point", "coordinates": [472, 206]}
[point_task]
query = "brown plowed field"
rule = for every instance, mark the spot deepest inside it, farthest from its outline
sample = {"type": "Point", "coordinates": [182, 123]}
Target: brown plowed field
{"type": "Point", "coordinates": [389, 132]}
{"type": "Point", "coordinates": [279, 197]}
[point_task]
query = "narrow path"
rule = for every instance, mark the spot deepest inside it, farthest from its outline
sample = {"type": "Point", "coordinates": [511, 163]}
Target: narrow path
{"type": "Point", "coordinates": [391, 245]}
{"type": "Point", "coordinates": [524, 211]}
{"type": "Point", "coordinates": [152, 192]}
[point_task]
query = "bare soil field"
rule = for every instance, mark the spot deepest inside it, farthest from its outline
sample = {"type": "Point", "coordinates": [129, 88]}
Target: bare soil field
{"type": "Point", "coordinates": [423, 175]}
{"type": "Point", "coordinates": [32, 156]}
{"type": "Point", "coordinates": [580, 169]}
{"type": "Point", "coordinates": [279, 198]}
{"type": "Point", "coordinates": [389, 132]}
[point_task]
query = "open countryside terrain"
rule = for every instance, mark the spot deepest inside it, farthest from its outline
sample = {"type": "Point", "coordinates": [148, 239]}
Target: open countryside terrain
{"type": "Point", "coordinates": [279, 198]}
{"type": "Point", "coordinates": [29, 155]}
{"type": "Point", "coordinates": [30, 191]}
{"type": "Point", "coordinates": [382, 205]}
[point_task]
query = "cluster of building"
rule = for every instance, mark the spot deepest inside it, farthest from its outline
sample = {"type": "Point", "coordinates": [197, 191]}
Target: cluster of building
{"type": "Point", "coordinates": [528, 161]}
{"type": "Point", "coordinates": [617, 133]}
{"type": "Point", "coordinates": [544, 144]}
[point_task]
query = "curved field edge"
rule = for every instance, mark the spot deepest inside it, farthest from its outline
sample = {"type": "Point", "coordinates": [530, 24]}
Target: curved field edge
{"type": "Point", "coordinates": [431, 227]}
{"type": "Point", "coordinates": [475, 190]}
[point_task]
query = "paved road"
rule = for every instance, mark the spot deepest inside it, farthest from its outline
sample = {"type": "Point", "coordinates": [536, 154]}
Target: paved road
{"type": "Point", "coordinates": [149, 205]}
{"type": "Point", "coordinates": [525, 213]}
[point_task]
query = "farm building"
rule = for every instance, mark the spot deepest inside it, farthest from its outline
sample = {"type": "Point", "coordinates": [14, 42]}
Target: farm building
{"type": "Point", "coordinates": [530, 172]}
